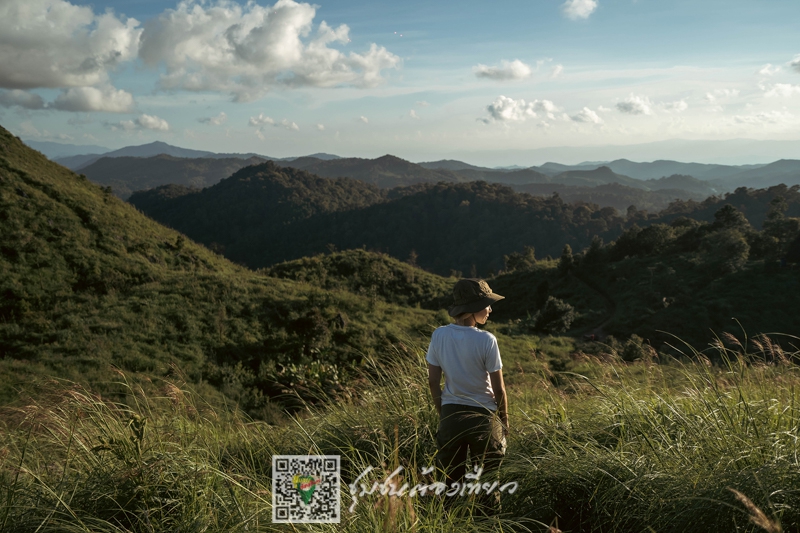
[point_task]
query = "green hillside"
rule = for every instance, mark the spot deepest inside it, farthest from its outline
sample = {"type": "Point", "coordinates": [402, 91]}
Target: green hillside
{"type": "Point", "coordinates": [689, 280]}
{"type": "Point", "coordinates": [89, 282]}
{"type": "Point", "coordinates": [369, 274]}
{"type": "Point", "coordinates": [266, 214]}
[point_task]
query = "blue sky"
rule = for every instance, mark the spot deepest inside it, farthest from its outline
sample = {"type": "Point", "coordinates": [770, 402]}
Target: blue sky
{"type": "Point", "coordinates": [489, 83]}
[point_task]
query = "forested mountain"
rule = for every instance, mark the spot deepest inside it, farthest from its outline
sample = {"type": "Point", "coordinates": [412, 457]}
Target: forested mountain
{"type": "Point", "coordinates": [87, 282]}
{"type": "Point", "coordinates": [385, 172]}
{"type": "Point", "coordinates": [128, 174]}
{"type": "Point", "coordinates": [152, 149]}
{"type": "Point", "coordinates": [451, 164]}
{"type": "Point", "coordinates": [267, 214]}
{"type": "Point", "coordinates": [785, 171]}
{"type": "Point", "coordinates": [510, 177]}
{"type": "Point", "coordinates": [620, 197]}
{"type": "Point", "coordinates": [754, 204]}
{"type": "Point", "coordinates": [654, 169]}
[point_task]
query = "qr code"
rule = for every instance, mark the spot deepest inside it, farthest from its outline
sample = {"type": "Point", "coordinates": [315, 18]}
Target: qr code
{"type": "Point", "coordinates": [305, 489]}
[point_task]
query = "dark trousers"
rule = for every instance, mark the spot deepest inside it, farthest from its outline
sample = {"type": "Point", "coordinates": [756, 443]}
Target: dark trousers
{"type": "Point", "coordinates": [476, 430]}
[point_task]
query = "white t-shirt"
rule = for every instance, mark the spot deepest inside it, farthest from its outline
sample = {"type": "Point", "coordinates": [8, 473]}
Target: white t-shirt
{"type": "Point", "coordinates": [466, 355]}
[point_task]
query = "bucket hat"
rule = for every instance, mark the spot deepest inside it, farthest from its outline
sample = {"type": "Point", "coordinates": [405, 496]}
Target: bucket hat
{"type": "Point", "coordinates": [470, 295]}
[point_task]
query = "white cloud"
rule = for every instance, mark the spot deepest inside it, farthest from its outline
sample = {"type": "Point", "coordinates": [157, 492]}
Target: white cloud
{"type": "Point", "coordinates": [106, 98]}
{"type": "Point", "coordinates": [423, 103]}
{"type": "Point", "coordinates": [769, 70]}
{"type": "Point", "coordinates": [150, 122]}
{"type": "Point", "coordinates": [18, 98]}
{"type": "Point", "coordinates": [364, 119]}
{"type": "Point", "coordinates": [505, 109]}
{"type": "Point", "coordinates": [246, 50]}
{"type": "Point", "coordinates": [413, 114]}
{"type": "Point", "coordinates": [261, 120]}
{"type": "Point", "coordinates": [587, 115]}
{"type": "Point", "coordinates": [508, 70]}
{"type": "Point", "coordinates": [579, 9]}
{"type": "Point", "coordinates": [718, 94]}
{"type": "Point", "coordinates": [214, 121]}
{"type": "Point", "coordinates": [795, 63]}
{"type": "Point", "coordinates": [635, 105]}
{"type": "Point", "coordinates": [547, 107]}
{"type": "Point", "coordinates": [557, 70]}
{"type": "Point", "coordinates": [143, 122]}
{"type": "Point", "coordinates": [766, 117]}
{"type": "Point", "coordinates": [603, 109]}
{"type": "Point", "coordinates": [321, 127]}
{"type": "Point", "coordinates": [289, 125]}
{"type": "Point", "coordinates": [782, 90]}
{"type": "Point", "coordinates": [53, 43]}
{"type": "Point", "coordinates": [679, 106]}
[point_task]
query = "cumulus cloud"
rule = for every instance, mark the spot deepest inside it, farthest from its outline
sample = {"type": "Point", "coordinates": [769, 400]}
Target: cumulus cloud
{"type": "Point", "coordinates": [423, 103]}
{"type": "Point", "coordinates": [19, 98]}
{"type": "Point", "coordinates": [245, 50]}
{"type": "Point", "coordinates": [769, 70]}
{"type": "Point", "coordinates": [261, 120]}
{"type": "Point", "coordinates": [795, 63]}
{"type": "Point", "coordinates": [55, 44]}
{"type": "Point", "coordinates": [364, 119]}
{"type": "Point", "coordinates": [579, 9]}
{"type": "Point", "coordinates": [679, 106]}
{"type": "Point", "coordinates": [588, 116]}
{"type": "Point", "coordinates": [782, 90]}
{"type": "Point", "coordinates": [635, 105]}
{"type": "Point", "coordinates": [214, 121]}
{"type": "Point", "coordinates": [413, 114]}
{"type": "Point", "coordinates": [105, 98]}
{"type": "Point", "coordinates": [143, 122]}
{"type": "Point", "coordinates": [508, 70]}
{"type": "Point", "coordinates": [321, 127]}
{"type": "Point", "coordinates": [505, 109]}
{"type": "Point", "coordinates": [557, 70]}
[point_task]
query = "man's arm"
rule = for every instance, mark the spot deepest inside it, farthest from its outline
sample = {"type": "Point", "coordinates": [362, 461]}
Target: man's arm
{"type": "Point", "coordinates": [499, 388]}
{"type": "Point", "coordinates": [435, 384]}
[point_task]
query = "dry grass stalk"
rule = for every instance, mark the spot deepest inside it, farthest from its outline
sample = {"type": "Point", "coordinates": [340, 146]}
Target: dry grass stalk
{"type": "Point", "coordinates": [757, 516]}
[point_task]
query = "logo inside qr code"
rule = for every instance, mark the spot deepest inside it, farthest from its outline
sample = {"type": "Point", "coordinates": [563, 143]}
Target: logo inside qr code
{"type": "Point", "coordinates": [305, 489]}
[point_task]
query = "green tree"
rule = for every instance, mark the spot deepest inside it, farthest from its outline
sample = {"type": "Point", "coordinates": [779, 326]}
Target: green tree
{"type": "Point", "coordinates": [725, 251]}
{"type": "Point", "coordinates": [520, 261]}
{"type": "Point", "coordinates": [555, 317]}
{"type": "Point", "coordinates": [567, 262]}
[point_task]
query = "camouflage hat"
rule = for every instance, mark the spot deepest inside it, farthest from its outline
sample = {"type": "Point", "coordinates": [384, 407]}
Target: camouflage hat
{"type": "Point", "coordinates": [471, 295]}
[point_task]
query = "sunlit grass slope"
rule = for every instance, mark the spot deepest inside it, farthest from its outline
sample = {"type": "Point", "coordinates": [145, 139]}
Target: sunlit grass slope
{"type": "Point", "coordinates": [87, 282]}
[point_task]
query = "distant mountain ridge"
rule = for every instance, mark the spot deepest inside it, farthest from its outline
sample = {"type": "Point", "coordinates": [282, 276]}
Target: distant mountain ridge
{"type": "Point", "coordinates": [53, 150]}
{"type": "Point", "coordinates": [128, 174]}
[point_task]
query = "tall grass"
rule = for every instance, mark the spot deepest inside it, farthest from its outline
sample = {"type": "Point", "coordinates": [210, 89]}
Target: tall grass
{"type": "Point", "coordinates": [678, 446]}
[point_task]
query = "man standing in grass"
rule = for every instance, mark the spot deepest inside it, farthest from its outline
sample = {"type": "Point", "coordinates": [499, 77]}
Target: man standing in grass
{"type": "Point", "coordinates": [473, 409]}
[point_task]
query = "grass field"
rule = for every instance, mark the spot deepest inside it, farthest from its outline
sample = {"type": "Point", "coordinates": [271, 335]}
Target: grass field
{"type": "Point", "coordinates": [604, 446]}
